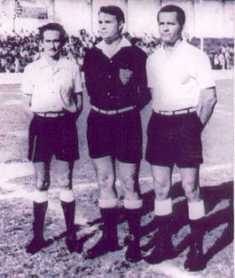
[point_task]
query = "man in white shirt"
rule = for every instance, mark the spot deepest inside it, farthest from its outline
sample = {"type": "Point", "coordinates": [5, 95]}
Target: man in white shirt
{"type": "Point", "coordinates": [52, 85]}
{"type": "Point", "coordinates": [183, 93]}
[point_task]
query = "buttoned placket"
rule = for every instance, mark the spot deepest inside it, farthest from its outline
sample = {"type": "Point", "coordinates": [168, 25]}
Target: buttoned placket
{"type": "Point", "coordinates": [109, 75]}
{"type": "Point", "coordinates": [53, 79]}
{"type": "Point", "coordinates": [54, 70]}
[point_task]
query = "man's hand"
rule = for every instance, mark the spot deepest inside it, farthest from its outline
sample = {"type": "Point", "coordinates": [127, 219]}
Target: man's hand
{"type": "Point", "coordinates": [79, 104]}
{"type": "Point", "coordinates": [206, 104]}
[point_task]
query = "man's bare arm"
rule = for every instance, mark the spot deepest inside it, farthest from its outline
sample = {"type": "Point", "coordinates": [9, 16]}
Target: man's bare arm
{"type": "Point", "coordinates": [79, 101]}
{"type": "Point", "coordinates": [207, 102]}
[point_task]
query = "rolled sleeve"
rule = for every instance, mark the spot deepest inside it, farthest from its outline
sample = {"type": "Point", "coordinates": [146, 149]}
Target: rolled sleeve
{"type": "Point", "coordinates": [150, 73]}
{"type": "Point", "coordinates": [77, 81]}
{"type": "Point", "coordinates": [27, 82]}
{"type": "Point", "coordinates": [204, 73]}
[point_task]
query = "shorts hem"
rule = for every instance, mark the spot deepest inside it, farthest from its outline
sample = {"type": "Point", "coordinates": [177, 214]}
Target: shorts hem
{"type": "Point", "coordinates": [131, 161]}
{"type": "Point", "coordinates": [179, 165]}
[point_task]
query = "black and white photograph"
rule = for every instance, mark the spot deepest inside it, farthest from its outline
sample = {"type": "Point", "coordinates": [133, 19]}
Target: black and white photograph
{"type": "Point", "coordinates": [117, 138]}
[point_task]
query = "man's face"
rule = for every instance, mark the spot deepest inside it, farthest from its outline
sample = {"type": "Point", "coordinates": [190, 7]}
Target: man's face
{"type": "Point", "coordinates": [51, 43]}
{"type": "Point", "coordinates": [109, 28]}
{"type": "Point", "coordinates": [169, 27]}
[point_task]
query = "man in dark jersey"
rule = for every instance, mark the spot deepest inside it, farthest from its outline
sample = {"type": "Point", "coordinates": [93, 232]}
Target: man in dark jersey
{"type": "Point", "coordinates": [116, 84]}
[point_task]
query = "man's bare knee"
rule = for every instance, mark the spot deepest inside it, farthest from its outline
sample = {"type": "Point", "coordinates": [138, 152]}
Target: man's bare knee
{"type": "Point", "coordinates": [43, 185]}
{"type": "Point", "coordinates": [191, 190]}
{"type": "Point", "coordinates": [128, 182]}
{"type": "Point", "coordinates": [162, 188]}
{"type": "Point", "coordinates": [105, 180]}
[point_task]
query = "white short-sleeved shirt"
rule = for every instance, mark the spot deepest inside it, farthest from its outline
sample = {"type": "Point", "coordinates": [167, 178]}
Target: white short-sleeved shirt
{"type": "Point", "coordinates": [177, 79]}
{"type": "Point", "coordinates": [51, 87]}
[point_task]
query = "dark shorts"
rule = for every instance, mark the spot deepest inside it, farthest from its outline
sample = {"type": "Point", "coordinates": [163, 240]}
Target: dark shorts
{"type": "Point", "coordinates": [119, 136]}
{"type": "Point", "coordinates": [53, 136]}
{"type": "Point", "coordinates": [174, 140]}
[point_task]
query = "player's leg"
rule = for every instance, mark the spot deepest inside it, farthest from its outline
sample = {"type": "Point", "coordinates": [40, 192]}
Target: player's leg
{"type": "Point", "coordinates": [40, 156]}
{"type": "Point", "coordinates": [68, 203]}
{"type": "Point", "coordinates": [40, 205]}
{"type": "Point", "coordinates": [163, 214]}
{"type": "Point", "coordinates": [105, 173]}
{"type": "Point", "coordinates": [128, 175]}
{"type": "Point", "coordinates": [160, 153]}
{"type": "Point", "coordinates": [196, 211]}
{"type": "Point", "coordinates": [66, 150]}
{"type": "Point", "coordinates": [101, 149]}
{"type": "Point", "coordinates": [128, 150]}
{"type": "Point", "coordinates": [190, 158]}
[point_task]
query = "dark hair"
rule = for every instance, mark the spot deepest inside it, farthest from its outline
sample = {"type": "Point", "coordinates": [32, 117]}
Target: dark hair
{"type": "Point", "coordinates": [55, 27]}
{"type": "Point", "coordinates": [172, 8]}
{"type": "Point", "coordinates": [113, 10]}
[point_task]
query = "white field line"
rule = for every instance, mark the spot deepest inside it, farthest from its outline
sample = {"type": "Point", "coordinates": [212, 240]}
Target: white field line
{"type": "Point", "coordinates": [221, 112]}
{"type": "Point", "coordinates": [203, 170]}
{"type": "Point", "coordinates": [83, 185]}
{"type": "Point", "coordinates": [170, 270]}
{"type": "Point", "coordinates": [12, 171]}
{"type": "Point", "coordinates": [16, 170]}
{"type": "Point", "coordinates": [13, 102]}
{"type": "Point", "coordinates": [221, 109]}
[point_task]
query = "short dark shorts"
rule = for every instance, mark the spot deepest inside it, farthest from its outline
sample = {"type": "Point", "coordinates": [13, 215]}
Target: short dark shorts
{"type": "Point", "coordinates": [174, 140]}
{"type": "Point", "coordinates": [53, 136]}
{"type": "Point", "coordinates": [119, 136]}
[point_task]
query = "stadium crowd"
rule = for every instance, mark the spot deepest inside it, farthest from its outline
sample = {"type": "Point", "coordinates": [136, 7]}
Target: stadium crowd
{"type": "Point", "coordinates": [19, 49]}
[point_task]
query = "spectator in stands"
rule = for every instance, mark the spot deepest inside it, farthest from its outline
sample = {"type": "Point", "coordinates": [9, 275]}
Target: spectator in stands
{"type": "Point", "coordinates": [24, 47]}
{"type": "Point", "coordinates": [221, 58]}
{"type": "Point", "coordinates": [216, 61]}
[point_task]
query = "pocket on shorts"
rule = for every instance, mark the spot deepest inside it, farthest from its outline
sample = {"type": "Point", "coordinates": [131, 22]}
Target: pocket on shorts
{"type": "Point", "coordinates": [153, 124]}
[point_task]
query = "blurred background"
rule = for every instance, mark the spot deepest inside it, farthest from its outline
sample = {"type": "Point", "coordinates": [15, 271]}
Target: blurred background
{"type": "Point", "coordinates": [209, 26]}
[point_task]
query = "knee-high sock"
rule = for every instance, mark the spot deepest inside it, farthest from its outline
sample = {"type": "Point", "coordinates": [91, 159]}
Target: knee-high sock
{"type": "Point", "coordinates": [196, 216]}
{"type": "Point", "coordinates": [68, 205]}
{"type": "Point", "coordinates": [133, 214]}
{"type": "Point", "coordinates": [164, 215]}
{"type": "Point", "coordinates": [40, 204]}
{"type": "Point", "coordinates": [108, 210]}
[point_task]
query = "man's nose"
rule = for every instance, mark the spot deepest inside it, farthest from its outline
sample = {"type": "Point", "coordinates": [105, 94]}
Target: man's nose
{"type": "Point", "coordinates": [102, 26]}
{"type": "Point", "coordinates": [53, 44]}
{"type": "Point", "coordinates": [165, 28]}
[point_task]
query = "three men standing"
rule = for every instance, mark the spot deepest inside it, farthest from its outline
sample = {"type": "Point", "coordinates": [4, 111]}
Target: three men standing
{"type": "Point", "coordinates": [183, 93]}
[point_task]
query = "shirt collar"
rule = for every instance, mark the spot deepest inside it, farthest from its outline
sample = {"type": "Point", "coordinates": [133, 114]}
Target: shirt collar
{"type": "Point", "coordinates": [178, 44]}
{"type": "Point", "coordinates": [43, 63]}
{"type": "Point", "coordinates": [123, 43]}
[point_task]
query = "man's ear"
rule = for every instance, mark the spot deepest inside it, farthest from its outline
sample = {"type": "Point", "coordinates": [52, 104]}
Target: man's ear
{"type": "Point", "coordinates": [41, 46]}
{"type": "Point", "coordinates": [121, 26]}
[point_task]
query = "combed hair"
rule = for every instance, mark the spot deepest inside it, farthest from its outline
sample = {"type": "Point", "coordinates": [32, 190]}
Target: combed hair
{"type": "Point", "coordinates": [113, 10]}
{"type": "Point", "coordinates": [55, 27]}
{"type": "Point", "coordinates": [172, 8]}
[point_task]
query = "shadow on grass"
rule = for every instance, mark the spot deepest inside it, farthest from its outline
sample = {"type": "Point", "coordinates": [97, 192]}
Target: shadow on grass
{"type": "Point", "coordinates": [213, 196]}
{"type": "Point", "coordinates": [81, 241]}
